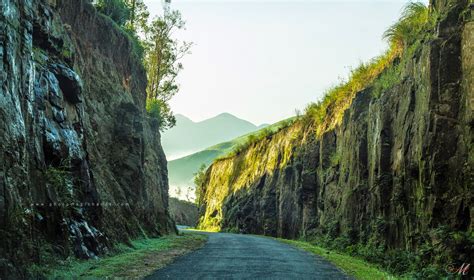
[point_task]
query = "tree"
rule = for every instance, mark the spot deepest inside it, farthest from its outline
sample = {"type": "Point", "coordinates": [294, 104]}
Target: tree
{"type": "Point", "coordinates": [117, 10]}
{"type": "Point", "coordinates": [154, 44]}
{"type": "Point", "coordinates": [162, 62]}
{"type": "Point", "coordinates": [189, 194]}
{"type": "Point", "coordinates": [199, 180]}
{"type": "Point", "coordinates": [139, 15]}
{"type": "Point", "coordinates": [178, 192]}
{"type": "Point", "coordinates": [131, 14]}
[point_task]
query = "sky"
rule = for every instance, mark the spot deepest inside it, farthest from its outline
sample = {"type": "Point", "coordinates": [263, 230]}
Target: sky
{"type": "Point", "coordinates": [262, 59]}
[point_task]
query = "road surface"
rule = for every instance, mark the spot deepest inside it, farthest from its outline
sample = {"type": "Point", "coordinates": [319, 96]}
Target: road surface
{"type": "Point", "coordinates": [237, 256]}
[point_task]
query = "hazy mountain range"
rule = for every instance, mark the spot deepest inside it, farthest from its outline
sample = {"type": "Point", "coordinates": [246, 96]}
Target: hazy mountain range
{"type": "Point", "coordinates": [181, 171]}
{"type": "Point", "coordinates": [188, 137]}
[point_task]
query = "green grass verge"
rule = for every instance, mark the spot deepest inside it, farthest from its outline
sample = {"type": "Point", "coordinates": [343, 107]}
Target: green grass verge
{"type": "Point", "coordinates": [351, 265]}
{"type": "Point", "coordinates": [141, 259]}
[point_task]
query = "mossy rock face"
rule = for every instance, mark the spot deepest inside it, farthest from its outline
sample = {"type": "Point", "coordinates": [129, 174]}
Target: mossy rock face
{"type": "Point", "coordinates": [396, 168]}
{"type": "Point", "coordinates": [81, 165]}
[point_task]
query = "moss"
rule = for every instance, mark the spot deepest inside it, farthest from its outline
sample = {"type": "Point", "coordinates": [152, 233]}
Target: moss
{"type": "Point", "coordinates": [59, 179]}
{"type": "Point", "coordinates": [335, 159]}
{"type": "Point", "coordinates": [67, 54]}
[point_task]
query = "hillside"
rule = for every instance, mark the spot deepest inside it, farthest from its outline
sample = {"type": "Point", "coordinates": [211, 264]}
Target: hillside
{"type": "Point", "coordinates": [188, 137]}
{"type": "Point", "coordinates": [181, 171]}
{"type": "Point", "coordinates": [381, 168]}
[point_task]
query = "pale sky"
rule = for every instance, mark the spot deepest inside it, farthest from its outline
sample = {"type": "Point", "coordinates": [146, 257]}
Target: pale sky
{"type": "Point", "coordinates": [262, 59]}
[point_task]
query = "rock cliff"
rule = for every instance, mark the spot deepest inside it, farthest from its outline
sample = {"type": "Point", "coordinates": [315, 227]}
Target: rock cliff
{"type": "Point", "coordinates": [81, 165]}
{"type": "Point", "coordinates": [183, 212]}
{"type": "Point", "coordinates": [395, 171]}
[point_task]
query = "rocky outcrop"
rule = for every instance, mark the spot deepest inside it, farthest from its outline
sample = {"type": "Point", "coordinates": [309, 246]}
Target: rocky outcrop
{"type": "Point", "coordinates": [81, 166]}
{"type": "Point", "coordinates": [396, 171]}
{"type": "Point", "coordinates": [183, 212]}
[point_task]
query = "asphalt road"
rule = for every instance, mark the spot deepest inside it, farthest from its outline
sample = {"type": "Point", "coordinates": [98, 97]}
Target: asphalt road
{"type": "Point", "coordinates": [236, 256]}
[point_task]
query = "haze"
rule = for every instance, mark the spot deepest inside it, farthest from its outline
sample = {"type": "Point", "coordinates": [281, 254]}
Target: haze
{"type": "Point", "coordinates": [261, 60]}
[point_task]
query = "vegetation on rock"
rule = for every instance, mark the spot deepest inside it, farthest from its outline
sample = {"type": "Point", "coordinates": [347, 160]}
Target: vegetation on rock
{"type": "Point", "coordinates": [155, 45]}
{"type": "Point", "coordinates": [199, 180]}
{"type": "Point", "coordinates": [381, 72]}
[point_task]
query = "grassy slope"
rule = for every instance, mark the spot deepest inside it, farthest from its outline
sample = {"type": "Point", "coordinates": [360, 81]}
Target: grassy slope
{"type": "Point", "coordinates": [355, 267]}
{"type": "Point", "coordinates": [181, 171]}
{"type": "Point", "coordinates": [142, 259]}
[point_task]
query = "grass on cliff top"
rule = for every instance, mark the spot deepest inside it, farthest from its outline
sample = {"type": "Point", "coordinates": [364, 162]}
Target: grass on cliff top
{"type": "Point", "coordinates": [141, 259]}
{"type": "Point", "coordinates": [382, 73]}
{"type": "Point", "coordinates": [245, 141]}
{"type": "Point", "coordinates": [353, 266]}
{"type": "Point", "coordinates": [414, 24]}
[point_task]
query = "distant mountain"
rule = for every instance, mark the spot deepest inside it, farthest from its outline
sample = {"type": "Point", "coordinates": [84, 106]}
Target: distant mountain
{"type": "Point", "coordinates": [181, 171]}
{"type": "Point", "coordinates": [188, 137]}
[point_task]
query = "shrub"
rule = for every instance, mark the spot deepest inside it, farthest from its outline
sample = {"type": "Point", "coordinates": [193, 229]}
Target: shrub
{"type": "Point", "coordinates": [199, 180]}
{"type": "Point", "coordinates": [330, 109]}
{"type": "Point", "coordinates": [59, 179]}
{"type": "Point", "coordinates": [408, 28]}
{"type": "Point", "coordinates": [265, 133]}
{"type": "Point", "coordinates": [153, 108]}
{"type": "Point", "coordinates": [387, 80]}
{"type": "Point", "coordinates": [117, 10]}
{"type": "Point", "coordinates": [161, 111]}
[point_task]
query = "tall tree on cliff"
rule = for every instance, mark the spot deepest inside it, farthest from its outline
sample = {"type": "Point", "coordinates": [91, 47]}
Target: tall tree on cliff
{"type": "Point", "coordinates": [155, 44]}
{"type": "Point", "coordinates": [138, 19]}
{"type": "Point", "coordinates": [162, 62]}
